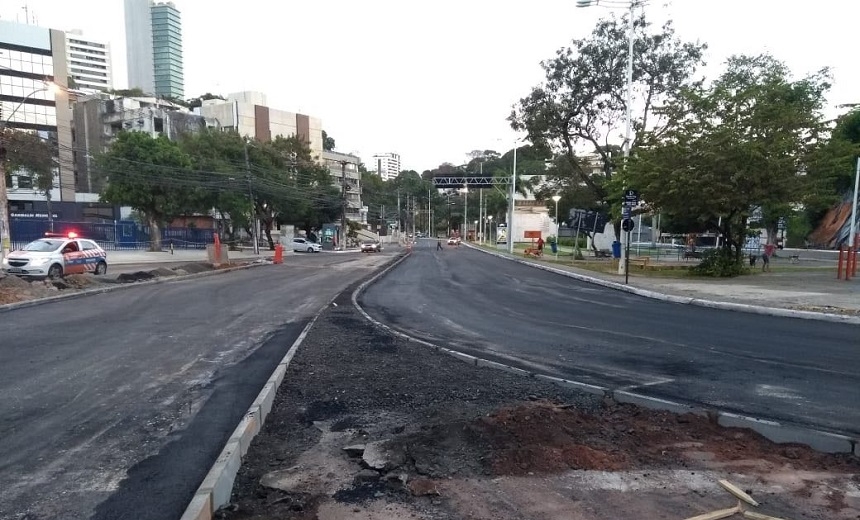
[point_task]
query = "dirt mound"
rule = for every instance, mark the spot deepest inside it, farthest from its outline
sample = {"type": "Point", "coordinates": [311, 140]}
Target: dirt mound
{"type": "Point", "coordinates": [542, 437]}
{"type": "Point", "coordinates": [139, 276]}
{"type": "Point", "coordinates": [76, 281]}
{"type": "Point", "coordinates": [14, 289]}
{"type": "Point", "coordinates": [196, 267]}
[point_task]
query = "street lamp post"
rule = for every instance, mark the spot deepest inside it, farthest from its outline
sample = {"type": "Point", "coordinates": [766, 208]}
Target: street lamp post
{"type": "Point", "coordinates": [490, 226]}
{"type": "Point", "coordinates": [511, 209]}
{"type": "Point", "coordinates": [555, 199]}
{"type": "Point", "coordinates": [5, 227]}
{"type": "Point", "coordinates": [625, 236]}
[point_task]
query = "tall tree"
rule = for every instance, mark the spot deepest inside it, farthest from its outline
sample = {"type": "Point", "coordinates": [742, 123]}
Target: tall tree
{"type": "Point", "coordinates": [741, 143]}
{"type": "Point", "coordinates": [328, 141]}
{"type": "Point", "coordinates": [150, 175]}
{"type": "Point", "coordinates": [28, 155]}
{"type": "Point", "coordinates": [581, 103]}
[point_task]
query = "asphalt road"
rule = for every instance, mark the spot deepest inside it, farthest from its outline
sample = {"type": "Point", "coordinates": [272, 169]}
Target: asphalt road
{"type": "Point", "coordinates": [797, 371]}
{"type": "Point", "coordinates": [114, 406]}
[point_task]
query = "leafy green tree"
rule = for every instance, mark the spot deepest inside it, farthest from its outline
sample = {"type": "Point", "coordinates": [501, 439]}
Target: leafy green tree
{"type": "Point", "coordinates": [741, 143]}
{"type": "Point", "coordinates": [28, 154]}
{"type": "Point", "coordinates": [198, 101]}
{"type": "Point", "coordinates": [150, 175]}
{"type": "Point", "coordinates": [328, 141]}
{"type": "Point", "coordinates": [582, 101]}
{"type": "Point", "coordinates": [219, 156]}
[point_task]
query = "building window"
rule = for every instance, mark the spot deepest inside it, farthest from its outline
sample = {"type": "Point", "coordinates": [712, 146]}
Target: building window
{"type": "Point", "coordinates": [158, 124]}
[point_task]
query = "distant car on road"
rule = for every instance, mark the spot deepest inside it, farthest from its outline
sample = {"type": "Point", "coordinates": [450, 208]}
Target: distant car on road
{"type": "Point", "coordinates": [371, 246]}
{"type": "Point", "coordinates": [301, 245]}
{"type": "Point", "coordinates": [56, 255]}
{"type": "Point", "coordinates": [453, 241]}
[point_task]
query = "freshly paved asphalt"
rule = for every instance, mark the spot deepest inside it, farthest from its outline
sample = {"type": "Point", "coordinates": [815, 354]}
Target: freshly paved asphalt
{"type": "Point", "coordinates": [114, 406]}
{"type": "Point", "coordinates": [795, 371]}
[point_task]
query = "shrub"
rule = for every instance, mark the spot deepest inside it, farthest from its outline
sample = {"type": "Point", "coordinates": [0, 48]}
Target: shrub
{"type": "Point", "coordinates": [719, 263]}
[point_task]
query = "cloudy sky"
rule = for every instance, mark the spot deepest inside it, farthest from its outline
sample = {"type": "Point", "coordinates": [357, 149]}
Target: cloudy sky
{"type": "Point", "coordinates": [432, 80]}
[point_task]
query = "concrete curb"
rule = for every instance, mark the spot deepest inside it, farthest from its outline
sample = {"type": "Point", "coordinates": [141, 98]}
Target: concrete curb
{"type": "Point", "coordinates": [685, 300]}
{"type": "Point", "coordinates": [119, 286]}
{"type": "Point", "coordinates": [774, 431]}
{"type": "Point", "coordinates": [215, 490]}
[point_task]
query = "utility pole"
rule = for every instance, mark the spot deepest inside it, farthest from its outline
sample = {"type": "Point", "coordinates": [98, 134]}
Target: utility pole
{"type": "Point", "coordinates": [343, 204]}
{"type": "Point", "coordinates": [5, 241]}
{"type": "Point", "coordinates": [399, 226]}
{"type": "Point", "coordinates": [255, 227]}
{"type": "Point", "coordinates": [429, 219]}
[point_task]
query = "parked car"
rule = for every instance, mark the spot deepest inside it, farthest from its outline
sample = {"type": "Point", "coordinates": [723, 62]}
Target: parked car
{"type": "Point", "coordinates": [371, 246]}
{"type": "Point", "coordinates": [303, 244]}
{"type": "Point", "coordinates": [56, 255]}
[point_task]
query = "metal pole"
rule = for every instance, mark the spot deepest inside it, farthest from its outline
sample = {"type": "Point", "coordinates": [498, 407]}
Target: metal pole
{"type": "Point", "coordinates": [429, 210]}
{"type": "Point", "coordinates": [852, 237]}
{"type": "Point", "coordinates": [255, 231]}
{"type": "Point", "coordinates": [557, 241]}
{"type": "Point", "coordinates": [466, 215]}
{"type": "Point", "coordinates": [513, 202]}
{"type": "Point", "coordinates": [625, 236]}
{"type": "Point", "coordinates": [343, 205]}
{"type": "Point", "coordinates": [481, 212]}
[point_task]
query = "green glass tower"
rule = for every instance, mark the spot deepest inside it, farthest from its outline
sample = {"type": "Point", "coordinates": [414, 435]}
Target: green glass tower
{"type": "Point", "coordinates": [167, 51]}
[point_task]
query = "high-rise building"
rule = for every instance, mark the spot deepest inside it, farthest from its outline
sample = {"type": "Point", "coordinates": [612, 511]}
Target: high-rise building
{"type": "Point", "coordinates": [386, 165]}
{"type": "Point", "coordinates": [89, 62]}
{"type": "Point", "coordinates": [153, 34]}
{"type": "Point", "coordinates": [34, 98]}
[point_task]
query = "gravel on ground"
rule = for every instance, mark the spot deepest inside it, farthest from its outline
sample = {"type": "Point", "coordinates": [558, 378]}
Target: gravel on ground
{"type": "Point", "coordinates": [367, 425]}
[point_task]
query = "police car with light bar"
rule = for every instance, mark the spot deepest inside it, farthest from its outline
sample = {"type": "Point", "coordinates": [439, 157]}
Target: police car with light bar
{"type": "Point", "coordinates": [56, 255]}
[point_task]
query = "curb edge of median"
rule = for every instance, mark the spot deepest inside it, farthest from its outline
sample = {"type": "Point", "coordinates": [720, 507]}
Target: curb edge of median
{"type": "Point", "coordinates": [217, 487]}
{"type": "Point", "coordinates": [685, 300]}
{"type": "Point", "coordinates": [776, 432]}
{"type": "Point", "coordinates": [120, 286]}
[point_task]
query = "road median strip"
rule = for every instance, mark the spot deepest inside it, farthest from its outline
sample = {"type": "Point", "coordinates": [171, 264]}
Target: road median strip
{"type": "Point", "coordinates": [217, 486]}
{"type": "Point", "coordinates": [684, 300]}
{"type": "Point", "coordinates": [776, 432]}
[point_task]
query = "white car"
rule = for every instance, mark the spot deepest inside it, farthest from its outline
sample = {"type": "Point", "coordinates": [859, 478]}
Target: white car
{"type": "Point", "coordinates": [55, 256]}
{"type": "Point", "coordinates": [302, 244]}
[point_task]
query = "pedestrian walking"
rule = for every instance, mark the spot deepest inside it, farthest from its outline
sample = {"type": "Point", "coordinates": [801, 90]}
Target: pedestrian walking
{"type": "Point", "coordinates": [439, 245]}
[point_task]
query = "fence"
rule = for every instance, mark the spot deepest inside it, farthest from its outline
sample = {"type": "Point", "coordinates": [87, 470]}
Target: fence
{"type": "Point", "coordinates": [111, 236]}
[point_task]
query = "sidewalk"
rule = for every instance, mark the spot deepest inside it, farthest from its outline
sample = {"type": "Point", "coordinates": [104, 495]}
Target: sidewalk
{"type": "Point", "coordinates": [179, 255]}
{"type": "Point", "coordinates": [798, 288]}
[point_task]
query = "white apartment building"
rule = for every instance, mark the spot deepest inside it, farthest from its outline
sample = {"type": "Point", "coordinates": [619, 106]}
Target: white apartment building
{"type": "Point", "coordinates": [89, 62]}
{"type": "Point", "coordinates": [386, 165]}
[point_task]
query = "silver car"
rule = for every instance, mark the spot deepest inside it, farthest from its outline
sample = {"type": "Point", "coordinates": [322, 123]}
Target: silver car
{"type": "Point", "coordinates": [301, 245]}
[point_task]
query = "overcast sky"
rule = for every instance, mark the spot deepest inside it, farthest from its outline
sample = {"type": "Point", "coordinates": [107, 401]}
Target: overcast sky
{"type": "Point", "coordinates": [432, 80]}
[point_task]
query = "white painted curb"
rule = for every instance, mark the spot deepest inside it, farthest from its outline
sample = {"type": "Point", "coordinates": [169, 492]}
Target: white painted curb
{"type": "Point", "coordinates": [217, 486]}
{"type": "Point", "coordinates": [729, 306]}
{"type": "Point", "coordinates": [120, 286]}
{"type": "Point", "coordinates": [776, 432]}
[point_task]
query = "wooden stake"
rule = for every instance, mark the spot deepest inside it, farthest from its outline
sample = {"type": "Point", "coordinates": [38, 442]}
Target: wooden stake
{"type": "Point", "coordinates": [716, 515]}
{"type": "Point", "coordinates": [738, 493]}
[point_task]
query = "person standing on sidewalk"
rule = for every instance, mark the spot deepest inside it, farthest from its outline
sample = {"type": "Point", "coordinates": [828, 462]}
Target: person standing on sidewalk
{"type": "Point", "coordinates": [765, 258]}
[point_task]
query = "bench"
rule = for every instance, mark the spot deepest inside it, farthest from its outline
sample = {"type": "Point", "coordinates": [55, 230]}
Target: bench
{"type": "Point", "coordinates": [602, 254]}
{"type": "Point", "coordinates": [641, 262]}
{"type": "Point", "coordinates": [692, 254]}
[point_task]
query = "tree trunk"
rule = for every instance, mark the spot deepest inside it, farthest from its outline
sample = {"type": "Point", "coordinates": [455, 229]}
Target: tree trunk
{"type": "Point", "coordinates": [154, 233]}
{"type": "Point", "coordinates": [268, 230]}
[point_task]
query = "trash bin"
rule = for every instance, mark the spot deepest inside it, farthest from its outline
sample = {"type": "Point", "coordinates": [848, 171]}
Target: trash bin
{"type": "Point", "coordinates": [616, 249]}
{"type": "Point", "coordinates": [554, 247]}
